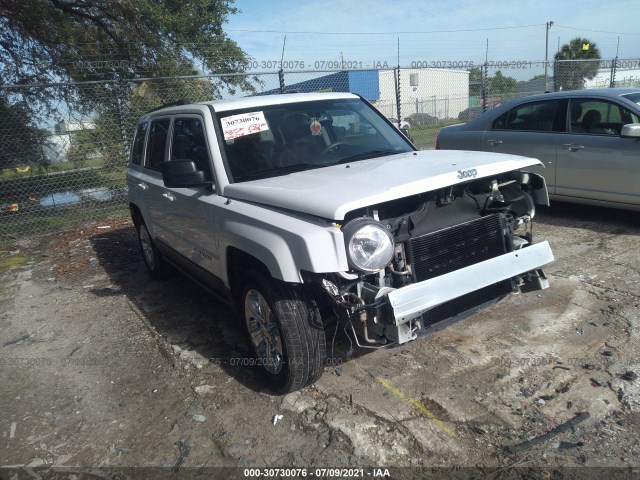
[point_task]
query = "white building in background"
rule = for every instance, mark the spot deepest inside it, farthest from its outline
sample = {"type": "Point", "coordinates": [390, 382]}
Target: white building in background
{"type": "Point", "coordinates": [56, 147]}
{"type": "Point", "coordinates": [439, 92]}
{"type": "Point", "coordinates": [66, 126]}
{"type": "Point", "coordinates": [625, 77]}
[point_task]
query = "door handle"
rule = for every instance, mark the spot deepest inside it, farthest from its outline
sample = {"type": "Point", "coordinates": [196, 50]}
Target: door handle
{"type": "Point", "coordinates": [572, 147]}
{"type": "Point", "coordinates": [493, 142]}
{"type": "Point", "coordinates": [143, 186]}
{"type": "Point", "coordinates": [169, 196]}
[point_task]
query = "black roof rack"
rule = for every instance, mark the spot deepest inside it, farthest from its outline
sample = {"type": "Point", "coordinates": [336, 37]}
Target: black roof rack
{"type": "Point", "coordinates": [182, 101]}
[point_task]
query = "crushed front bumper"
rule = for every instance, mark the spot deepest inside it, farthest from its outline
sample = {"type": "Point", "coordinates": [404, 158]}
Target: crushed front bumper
{"type": "Point", "coordinates": [410, 302]}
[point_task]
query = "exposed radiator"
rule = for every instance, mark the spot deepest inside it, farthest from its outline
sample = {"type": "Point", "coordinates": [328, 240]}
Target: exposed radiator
{"type": "Point", "coordinates": [457, 247]}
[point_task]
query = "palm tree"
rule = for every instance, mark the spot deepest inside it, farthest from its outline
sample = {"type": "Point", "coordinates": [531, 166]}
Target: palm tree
{"type": "Point", "coordinates": [576, 62]}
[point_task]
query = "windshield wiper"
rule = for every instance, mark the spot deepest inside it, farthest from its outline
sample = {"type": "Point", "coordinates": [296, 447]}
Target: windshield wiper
{"type": "Point", "coordinates": [366, 155]}
{"type": "Point", "coordinates": [274, 172]}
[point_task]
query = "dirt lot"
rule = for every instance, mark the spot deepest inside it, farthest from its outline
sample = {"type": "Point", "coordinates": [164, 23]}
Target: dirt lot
{"type": "Point", "coordinates": [101, 367]}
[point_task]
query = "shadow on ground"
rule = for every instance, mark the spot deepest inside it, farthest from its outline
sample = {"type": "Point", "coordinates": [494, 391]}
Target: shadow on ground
{"type": "Point", "coordinates": [183, 313]}
{"type": "Point", "coordinates": [188, 316]}
{"type": "Point", "coordinates": [599, 219]}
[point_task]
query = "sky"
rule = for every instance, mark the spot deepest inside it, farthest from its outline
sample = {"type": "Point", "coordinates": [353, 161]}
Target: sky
{"type": "Point", "coordinates": [367, 34]}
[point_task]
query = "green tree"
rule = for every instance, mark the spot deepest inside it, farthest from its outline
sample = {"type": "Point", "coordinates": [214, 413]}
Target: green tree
{"type": "Point", "coordinates": [475, 82]}
{"type": "Point", "coordinates": [500, 84]}
{"type": "Point", "coordinates": [20, 142]}
{"type": "Point", "coordinates": [83, 145]}
{"type": "Point", "coordinates": [112, 40]}
{"type": "Point", "coordinates": [576, 62]}
{"type": "Point", "coordinates": [50, 40]}
{"type": "Point", "coordinates": [497, 84]}
{"type": "Point", "coordinates": [475, 74]}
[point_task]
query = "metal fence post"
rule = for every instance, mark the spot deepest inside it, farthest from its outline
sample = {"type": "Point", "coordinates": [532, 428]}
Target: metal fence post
{"type": "Point", "coordinates": [121, 122]}
{"type": "Point", "coordinates": [398, 99]}
{"type": "Point", "coordinates": [485, 86]}
{"type": "Point", "coordinates": [612, 79]}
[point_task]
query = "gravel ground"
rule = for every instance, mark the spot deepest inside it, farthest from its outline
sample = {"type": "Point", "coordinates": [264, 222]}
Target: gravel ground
{"type": "Point", "coordinates": [102, 367]}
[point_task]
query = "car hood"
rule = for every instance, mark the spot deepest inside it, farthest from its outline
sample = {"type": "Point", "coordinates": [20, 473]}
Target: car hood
{"type": "Point", "coordinates": [332, 192]}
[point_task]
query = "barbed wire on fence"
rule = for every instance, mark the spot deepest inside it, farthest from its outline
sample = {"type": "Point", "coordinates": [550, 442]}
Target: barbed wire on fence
{"type": "Point", "coordinates": [65, 145]}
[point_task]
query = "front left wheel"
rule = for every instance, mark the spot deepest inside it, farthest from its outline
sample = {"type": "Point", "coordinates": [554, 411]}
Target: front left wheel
{"type": "Point", "coordinates": [285, 331]}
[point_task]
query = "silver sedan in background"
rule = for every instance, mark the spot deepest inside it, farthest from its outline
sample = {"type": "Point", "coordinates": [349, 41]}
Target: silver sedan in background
{"type": "Point", "coordinates": [588, 140]}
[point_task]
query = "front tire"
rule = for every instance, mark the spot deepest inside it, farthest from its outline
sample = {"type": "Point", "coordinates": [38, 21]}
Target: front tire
{"type": "Point", "coordinates": [285, 331]}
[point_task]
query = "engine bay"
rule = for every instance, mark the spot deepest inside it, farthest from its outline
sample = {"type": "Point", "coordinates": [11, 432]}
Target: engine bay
{"type": "Point", "coordinates": [435, 234]}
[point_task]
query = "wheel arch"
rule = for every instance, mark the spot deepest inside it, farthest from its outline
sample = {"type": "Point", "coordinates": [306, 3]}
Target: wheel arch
{"type": "Point", "coordinates": [285, 246]}
{"type": "Point", "coordinates": [237, 262]}
{"type": "Point", "coordinates": [136, 214]}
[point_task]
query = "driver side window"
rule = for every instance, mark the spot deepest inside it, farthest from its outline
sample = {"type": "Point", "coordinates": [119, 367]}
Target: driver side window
{"type": "Point", "coordinates": [189, 142]}
{"type": "Point", "coordinates": [598, 117]}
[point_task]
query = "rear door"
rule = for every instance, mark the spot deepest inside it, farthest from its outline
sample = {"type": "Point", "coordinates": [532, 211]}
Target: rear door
{"type": "Point", "coordinates": [155, 195]}
{"type": "Point", "coordinates": [136, 176]}
{"type": "Point", "coordinates": [594, 161]}
{"type": "Point", "coordinates": [530, 129]}
{"type": "Point", "coordinates": [466, 136]}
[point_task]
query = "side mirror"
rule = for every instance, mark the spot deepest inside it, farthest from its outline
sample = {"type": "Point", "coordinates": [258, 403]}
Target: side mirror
{"type": "Point", "coordinates": [182, 174]}
{"type": "Point", "coordinates": [631, 130]}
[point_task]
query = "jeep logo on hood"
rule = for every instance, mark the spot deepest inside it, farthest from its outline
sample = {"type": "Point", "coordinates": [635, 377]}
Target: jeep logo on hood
{"type": "Point", "coordinates": [471, 173]}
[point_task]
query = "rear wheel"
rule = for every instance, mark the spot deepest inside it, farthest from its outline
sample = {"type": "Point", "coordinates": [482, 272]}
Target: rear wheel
{"type": "Point", "coordinates": [285, 331]}
{"type": "Point", "coordinates": [155, 263]}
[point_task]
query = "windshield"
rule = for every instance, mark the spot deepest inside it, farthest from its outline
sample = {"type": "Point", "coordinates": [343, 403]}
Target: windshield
{"type": "Point", "coordinates": [634, 97]}
{"type": "Point", "coordinates": [277, 140]}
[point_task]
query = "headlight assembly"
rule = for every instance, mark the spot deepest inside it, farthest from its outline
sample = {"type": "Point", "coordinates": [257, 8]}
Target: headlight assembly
{"type": "Point", "coordinates": [369, 245]}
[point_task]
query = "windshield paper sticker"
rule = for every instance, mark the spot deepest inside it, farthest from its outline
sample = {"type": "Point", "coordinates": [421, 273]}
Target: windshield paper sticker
{"type": "Point", "coordinates": [243, 124]}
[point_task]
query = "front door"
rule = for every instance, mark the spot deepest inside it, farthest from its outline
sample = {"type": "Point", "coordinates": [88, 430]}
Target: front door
{"type": "Point", "coordinates": [594, 161]}
{"type": "Point", "coordinates": [189, 213]}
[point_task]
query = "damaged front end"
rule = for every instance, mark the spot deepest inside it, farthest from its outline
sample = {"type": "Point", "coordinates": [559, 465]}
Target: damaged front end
{"type": "Point", "coordinates": [422, 262]}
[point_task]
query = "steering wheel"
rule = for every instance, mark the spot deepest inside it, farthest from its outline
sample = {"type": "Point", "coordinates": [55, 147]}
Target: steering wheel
{"type": "Point", "coordinates": [333, 146]}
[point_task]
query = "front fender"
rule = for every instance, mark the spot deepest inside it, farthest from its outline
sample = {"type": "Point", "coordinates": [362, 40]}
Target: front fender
{"type": "Point", "coordinates": [285, 244]}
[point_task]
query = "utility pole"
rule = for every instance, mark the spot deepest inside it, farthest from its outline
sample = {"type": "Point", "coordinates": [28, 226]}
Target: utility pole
{"type": "Point", "coordinates": [398, 93]}
{"type": "Point", "coordinates": [614, 66]}
{"type": "Point", "coordinates": [485, 79]}
{"type": "Point", "coordinates": [546, 56]}
{"type": "Point", "coordinates": [281, 69]}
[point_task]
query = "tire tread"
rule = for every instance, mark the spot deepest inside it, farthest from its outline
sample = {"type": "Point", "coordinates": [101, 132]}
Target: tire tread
{"type": "Point", "coordinates": [301, 328]}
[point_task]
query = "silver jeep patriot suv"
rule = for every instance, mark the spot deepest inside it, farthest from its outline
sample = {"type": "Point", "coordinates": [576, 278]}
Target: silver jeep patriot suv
{"type": "Point", "coordinates": [309, 210]}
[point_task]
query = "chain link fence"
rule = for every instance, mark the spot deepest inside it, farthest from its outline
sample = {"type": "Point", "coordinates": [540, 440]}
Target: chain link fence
{"type": "Point", "coordinates": [65, 146]}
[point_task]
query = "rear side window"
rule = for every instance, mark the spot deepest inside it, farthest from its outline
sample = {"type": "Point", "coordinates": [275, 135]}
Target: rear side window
{"type": "Point", "coordinates": [535, 116]}
{"type": "Point", "coordinates": [137, 150]}
{"type": "Point", "coordinates": [189, 142]}
{"type": "Point", "coordinates": [157, 143]}
{"type": "Point", "coordinates": [598, 117]}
